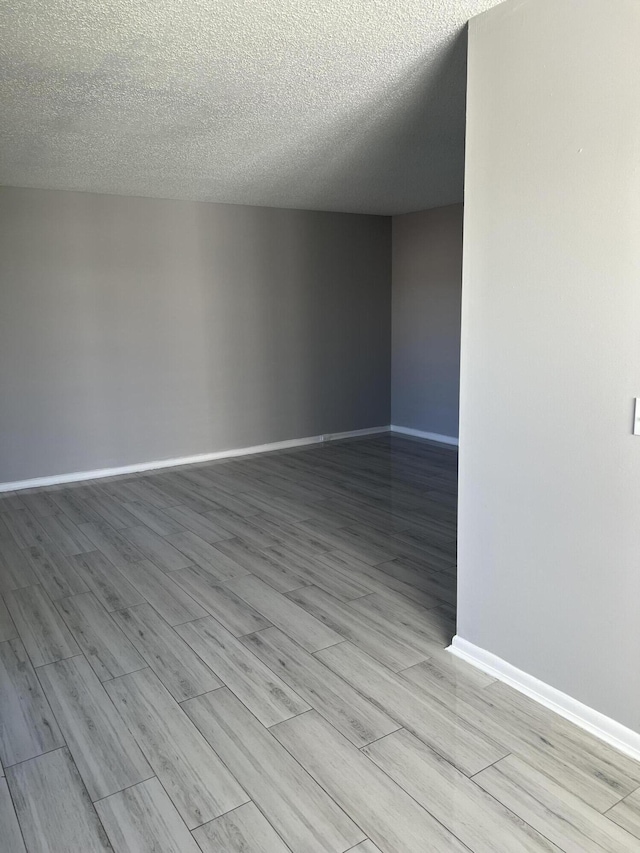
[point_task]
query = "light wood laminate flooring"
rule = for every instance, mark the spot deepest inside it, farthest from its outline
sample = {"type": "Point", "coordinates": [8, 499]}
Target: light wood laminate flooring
{"type": "Point", "coordinates": [248, 656]}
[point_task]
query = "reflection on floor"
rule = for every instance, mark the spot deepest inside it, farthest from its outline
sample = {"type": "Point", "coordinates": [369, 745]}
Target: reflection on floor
{"type": "Point", "coordinates": [249, 656]}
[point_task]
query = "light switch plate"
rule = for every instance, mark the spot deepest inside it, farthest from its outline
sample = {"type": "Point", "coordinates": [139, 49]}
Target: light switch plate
{"type": "Point", "coordinates": [636, 417]}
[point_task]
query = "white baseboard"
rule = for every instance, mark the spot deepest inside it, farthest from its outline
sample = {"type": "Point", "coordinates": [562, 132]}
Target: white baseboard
{"type": "Point", "coordinates": [615, 734]}
{"type": "Point", "coordinates": [77, 476]}
{"type": "Point", "coordinates": [429, 436]}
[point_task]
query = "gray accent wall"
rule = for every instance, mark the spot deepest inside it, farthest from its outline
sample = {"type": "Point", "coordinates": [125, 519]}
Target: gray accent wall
{"type": "Point", "coordinates": [427, 285]}
{"type": "Point", "coordinates": [134, 330]}
{"type": "Point", "coordinates": [549, 526]}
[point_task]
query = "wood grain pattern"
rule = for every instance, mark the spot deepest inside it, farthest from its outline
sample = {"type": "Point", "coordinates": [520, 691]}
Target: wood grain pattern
{"type": "Point", "coordinates": [356, 717]}
{"type": "Point", "coordinates": [161, 591]}
{"type": "Point", "coordinates": [106, 581]}
{"type": "Point", "coordinates": [384, 644]}
{"type": "Point", "coordinates": [244, 830]}
{"type": "Point", "coordinates": [627, 813]}
{"type": "Point", "coordinates": [7, 629]}
{"type": "Point", "coordinates": [555, 812]}
{"type": "Point", "coordinates": [103, 643]}
{"type": "Point", "coordinates": [256, 685]}
{"type": "Point", "coordinates": [28, 725]}
{"type": "Point", "coordinates": [388, 815]}
{"type": "Point", "coordinates": [111, 543]}
{"type": "Point", "coordinates": [143, 819]}
{"type": "Point", "coordinates": [230, 610]}
{"type": "Point", "coordinates": [156, 548]}
{"type": "Point", "coordinates": [200, 786]}
{"type": "Point", "coordinates": [9, 827]}
{"type": "Point", "coordinates": [45, 636]}
{"type": "Point", "coordinates": [64, 534]}
{"type": "Point", "coordinates": [53, 807]}
{"type": "Point", "coordinates": [104, 751]}
{"type": "Point", "coordinates": [54, 572]}
{"type": "Point", "coordinates": [479, 821]}
{"type": "Point", "coordinates": [15, 572]}
{"type": "Point", "coordinates": [457, 740]}
{"type": "Point", "coordinates": [207, 556]}
{"type": "Point", "coordinates": [175, 663]}
{"type": "Point", "coordinates": [301, 626]}
{"type": "Point", "coordinates": [301, 812]}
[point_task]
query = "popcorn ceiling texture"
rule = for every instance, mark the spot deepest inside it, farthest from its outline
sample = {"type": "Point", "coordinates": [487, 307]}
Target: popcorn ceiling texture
{"type": "Point", "coordinates": [351, 105]}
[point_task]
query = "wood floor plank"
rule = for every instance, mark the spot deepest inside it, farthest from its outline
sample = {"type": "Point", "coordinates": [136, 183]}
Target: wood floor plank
{"type": "Point", "coordinates": [356, 717]}
{"type": "Point", "coordinates": [54, 571]}
{"type": "Point", "coordinates": [65, 535]}
{"type": "Point", "coordinates": [627, 813]}
{"type": "Point", "coordinates": [341, 539]}
{"type": "Point", "coordinates": [106, 581]}
{"type": "Point", "coordinates": [468, 812]}
{"type": "Point", "coordinates": [118, 550]}
{"type": "Point", "coordinates": [197, 523]}
{"type": "Point", "coordinates": [455, 738]}
{"type": "Point", "coordinates": [53, 806]}
{"type": "Point", "coordinates": [153, 518]}
{"type": "Point", "coordinates": [9, 827]}
{"type": "Point", "coordinates": [69, 502]}
{"type": "Point", "coordinates": [156, 548]}
{"type": "Point", "coordinates": [315, 571]}
{"type": "Point", "coordinates": [15, 572]}
{"type": "Point", "coordinates": [28, 726]}
{"type": "Point", "coordinates": [386, 813]}
{"type": "Point", "coordinates": [255, 530]}
{"type": "Point", "coordinates": [263, 563]}
{"type": "Point", "coordinates": [295, 621]}
{"type": "Point", "coordinates": [44, 634]}
{"type": "Point", "coordinates": [299, 810]}
{"type": "Point", "coordinates": [552, 810]}
{"type": "Point", "coordinates": [385, 644]}
{"type": "Point", "coordinates": [229, 609]}
{"type": "Point", "coordinates": [105, 646]}
{"type": "Point", "coordinates": [145, 490]}
{"type": "Point", "coordinates": [200, 786]}
{"type": "Point", "coordinates": [207, 556]}
{"type": "Point", "coordinates": [377, 580]}
{"type": "Point", "coordinates": [160, 590]}
{"type": "Point", "coordinates": [109, 511]}
{"type": "Point", "coordinates": [438, 584]}
{"type": "Point", "coordinates": [244, 830]}
{"type": "Point", "coordinates": [595, 772]}
{"type": "Point", "coordinates": [143, 819]}
{"type": "Point", "coordinates": [365, 847]}
{"type": "Point", "coordinates": [269, 504]}
{"type": "Point", "coordinates": [402, 619]}
{"type": "Point", "coordinates": [24, 528]}
{"type": "Point", "coordinates": [38, 502]}
{"type": "Point", "coordinates": [175, 663]}
{"type": "Point", "coordinates": [7, 629]}
{"type": "Point", "coordinates": [266, 695]}
{"type": "Point", "coordinates": [104, 751]}
{"type": "Point", "coordinates": [11, 500]}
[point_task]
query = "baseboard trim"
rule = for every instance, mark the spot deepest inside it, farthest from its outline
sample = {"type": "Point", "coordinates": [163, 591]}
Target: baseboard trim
{"type": "Point", "coordinates": [615, 734]}
{"type": "Point", "coordinates": [429, 436]}
{"type": "Point", "coordinates": [78, 476]}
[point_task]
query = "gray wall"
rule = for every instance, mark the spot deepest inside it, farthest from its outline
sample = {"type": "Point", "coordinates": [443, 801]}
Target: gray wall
{"type": "Point", "coordinates": [139, 329]}
{"type": "Point", "coordinates": [427, 284]}
{"type": "Point", "coordinates": [549, 541]}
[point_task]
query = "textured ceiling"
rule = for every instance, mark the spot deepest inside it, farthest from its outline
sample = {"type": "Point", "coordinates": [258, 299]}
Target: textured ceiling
{"type": "Point", "coordinates": [353, 105]}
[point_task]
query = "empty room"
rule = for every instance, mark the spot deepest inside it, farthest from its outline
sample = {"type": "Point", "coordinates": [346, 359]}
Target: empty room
{"type": "Point", "coordinates": [320, 426]}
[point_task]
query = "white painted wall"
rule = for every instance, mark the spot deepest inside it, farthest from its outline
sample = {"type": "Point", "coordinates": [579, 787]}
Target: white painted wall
{"type": "Point", "coordinates": [549, 541]}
